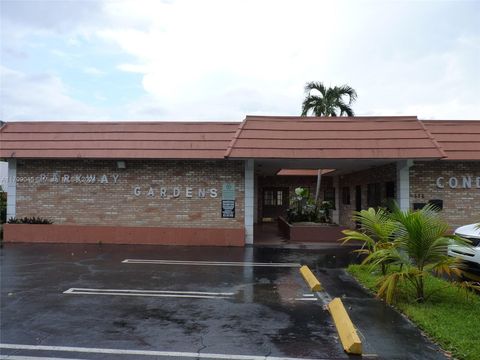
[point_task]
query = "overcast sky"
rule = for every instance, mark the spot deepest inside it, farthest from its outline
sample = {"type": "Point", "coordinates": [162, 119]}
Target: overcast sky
{"type": "Point", "coordinates": [223, 59]}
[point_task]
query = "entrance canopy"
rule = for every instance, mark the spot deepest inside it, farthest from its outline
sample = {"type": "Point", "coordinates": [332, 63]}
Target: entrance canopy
{"type": "Point", "coordinates": [309, 138]}
{"type": "Point", "coordinates": [309, 167]}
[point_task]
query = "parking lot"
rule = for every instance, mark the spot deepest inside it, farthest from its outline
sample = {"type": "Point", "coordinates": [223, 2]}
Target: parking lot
{"type": "Point", "coordinates": [147, 302]}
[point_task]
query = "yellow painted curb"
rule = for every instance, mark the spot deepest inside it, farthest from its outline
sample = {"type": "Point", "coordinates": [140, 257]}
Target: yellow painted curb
{"type": "Point", "coordinates": [346, 331]}
{"type": "Point", "coordinates": [310, 279]}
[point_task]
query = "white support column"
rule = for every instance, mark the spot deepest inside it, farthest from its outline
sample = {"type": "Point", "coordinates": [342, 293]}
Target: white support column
{"type": "Point", "coordinates": [336, 212]}
{"type": "Point", "coordinates": [249, 200]}
{"type": "Point", "coordinates": [403, 184]}
{"type": "Point", "coordinates": [12, 188]}
{"type": "Point", "coordinates": [255, 199]}
{"type": "Point", "coordinates": [248, 276]}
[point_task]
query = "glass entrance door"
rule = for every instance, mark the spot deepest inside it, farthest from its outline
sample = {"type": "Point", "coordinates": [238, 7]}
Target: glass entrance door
{"type": "Point", "coordinates": [275, 203]}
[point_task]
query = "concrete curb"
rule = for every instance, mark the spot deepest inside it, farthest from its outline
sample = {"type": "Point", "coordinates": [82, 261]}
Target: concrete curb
{"type": "Point", "coordinates": [310, 279]}
{"type": "Point", "coordinates": [346, 331]}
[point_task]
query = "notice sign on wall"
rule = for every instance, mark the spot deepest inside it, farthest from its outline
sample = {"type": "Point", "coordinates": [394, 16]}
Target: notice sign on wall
{"type": "Point", "coordinates": [228, 191]}
{"type": "Point", "coordinates": [228, 209]}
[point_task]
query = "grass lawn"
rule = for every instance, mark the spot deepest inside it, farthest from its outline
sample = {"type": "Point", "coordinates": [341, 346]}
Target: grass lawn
{"type": "Point", "coordinates": [448, 317]}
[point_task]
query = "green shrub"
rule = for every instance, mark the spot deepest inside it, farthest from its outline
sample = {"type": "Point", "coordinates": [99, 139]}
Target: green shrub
{"type": "Point", "coordinates": [29, 220]}
{"type": "Point", "coordinates": [448, 316]}
{"type": "Point", "coordinates": [304, 208]}
{"type": "Point", "coordinates": [413, 243]}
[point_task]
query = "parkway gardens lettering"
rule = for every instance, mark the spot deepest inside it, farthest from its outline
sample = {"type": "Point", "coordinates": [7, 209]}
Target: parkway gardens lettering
{"type": "Point", "coordinates": [175, 192]}
{"type": "Point", "coordinates": [163, 192]}
{"type": "Point", "coordinates": [58, 178]}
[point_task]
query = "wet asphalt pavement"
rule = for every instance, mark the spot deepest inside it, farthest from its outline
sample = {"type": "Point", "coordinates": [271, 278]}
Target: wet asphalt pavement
{"type": "Point", "coordinates": [264, 313]}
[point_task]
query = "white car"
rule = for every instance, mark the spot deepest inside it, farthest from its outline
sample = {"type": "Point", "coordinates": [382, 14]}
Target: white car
{"type": "Point", "coordinates": [470, 254]}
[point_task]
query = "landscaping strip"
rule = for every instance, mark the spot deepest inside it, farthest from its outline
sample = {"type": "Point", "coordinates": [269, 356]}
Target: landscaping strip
{"type": "Point", "coordinates": [449, 316]}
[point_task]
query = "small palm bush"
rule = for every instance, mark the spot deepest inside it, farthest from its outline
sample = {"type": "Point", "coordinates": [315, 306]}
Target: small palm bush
{"type": "Point", "coordinates": [377, 230]}
{"type": "Point", "coordinates": [407, 246]}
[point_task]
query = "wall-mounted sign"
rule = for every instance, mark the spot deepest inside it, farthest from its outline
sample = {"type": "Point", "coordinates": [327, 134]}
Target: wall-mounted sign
{"type": "Point", "coordinates": [228, 209]}
{"type": "Point", "coordinates": [228, 191]}
{"type": "Point", "coordinates": [175, 192]}
{"type": "Point", "coordinates": [458, 182]}
{"type": "Point", "coordinates": [59, 178]}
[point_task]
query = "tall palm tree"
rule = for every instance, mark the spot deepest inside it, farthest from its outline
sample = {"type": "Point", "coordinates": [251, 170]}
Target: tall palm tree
{"type": "Point", "coordinates": [329, 101]}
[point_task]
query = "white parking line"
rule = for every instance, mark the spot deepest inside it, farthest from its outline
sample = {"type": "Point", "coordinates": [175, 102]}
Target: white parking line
{"type": "Point", "coordinates": [155, 293]}
{"type": "Point", "coordinates": [20, 357]}
{"type": "Point", "coordinates": [194, 355]}
{"type": "Point", "coordinates": [209, 263]}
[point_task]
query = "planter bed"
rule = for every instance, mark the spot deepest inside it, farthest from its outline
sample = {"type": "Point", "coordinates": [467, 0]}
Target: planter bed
{"type": "Point", "coordinates": [310, 232]}
{"type": "Point", "coordinates": [54, 233]}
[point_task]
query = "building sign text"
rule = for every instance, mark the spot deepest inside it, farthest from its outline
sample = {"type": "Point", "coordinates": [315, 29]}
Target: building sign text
{"type": "Point", "coordinates": [460, 182]}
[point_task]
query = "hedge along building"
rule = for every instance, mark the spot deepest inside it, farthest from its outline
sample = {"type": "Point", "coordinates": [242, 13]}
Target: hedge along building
{"type": "Point", "coordinates": [208, 183]}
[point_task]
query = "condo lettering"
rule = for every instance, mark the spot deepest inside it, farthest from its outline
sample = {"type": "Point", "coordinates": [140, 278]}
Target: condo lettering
{"type": "Point", "coordinates": [458, 182]}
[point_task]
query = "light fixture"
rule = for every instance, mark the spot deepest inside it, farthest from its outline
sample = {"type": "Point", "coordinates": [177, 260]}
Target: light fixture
{"type": "Point", "coordinates": [121, 164]}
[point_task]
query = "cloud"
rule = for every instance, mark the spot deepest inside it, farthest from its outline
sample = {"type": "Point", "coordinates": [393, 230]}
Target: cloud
{"type": "Point", "coordinates": [199, 64]}
{"type": "Point", "coordinates": [91, 70]}
{"type": "Point", "coordinates": [216, 59]}
{"type": "Point", "coordinates": [51, 15]}
{"type": "Point", "coordinates": [39, 96]}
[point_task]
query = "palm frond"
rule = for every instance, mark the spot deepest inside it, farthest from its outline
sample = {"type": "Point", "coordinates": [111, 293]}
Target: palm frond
{"type": "Point", "coordinates": [312, 103]}
{"type": "Point", "coordinates": [346, 110]}
{"type": "Point", "coordinates": [329, 101]}
{"type": "Point", "coordinates": [315, 85]}
{"type": "Point", "coordinates": [346, 90]}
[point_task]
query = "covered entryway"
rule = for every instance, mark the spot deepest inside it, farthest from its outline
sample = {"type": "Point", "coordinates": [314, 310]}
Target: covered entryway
{"type": "Point", "coordinates": [367, 158]}
{"type": "Point", "coordinates": [275, 203]}
{"type": "Point", "coordinates": [345, 186]}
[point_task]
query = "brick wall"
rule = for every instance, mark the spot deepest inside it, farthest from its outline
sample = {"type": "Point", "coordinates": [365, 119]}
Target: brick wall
{"type": "Point", "coordinates": [112, 200]}
{"type": "Point", "coordinates": [380, 174]}
{"type": "Point", "coordinates": [460, 205]}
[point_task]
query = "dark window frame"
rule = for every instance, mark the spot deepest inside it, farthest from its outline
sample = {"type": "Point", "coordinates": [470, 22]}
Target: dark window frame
{"type": "Point", "coordinates": [329, 195]}
{"type": "Point", "coordinates": [346, 195]}
{"type": "Point", "coordinates": [374, 195]}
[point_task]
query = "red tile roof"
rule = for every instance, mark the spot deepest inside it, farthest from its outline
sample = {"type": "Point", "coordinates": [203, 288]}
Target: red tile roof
{"type": "Point", "coordinates": [459, 139]}
{"type": "Point", "coordinates": [333, 138]}
{"type": "Point", "coordinates": [164, 140]}
{"type": "Point", "coordinates": [256, 137]}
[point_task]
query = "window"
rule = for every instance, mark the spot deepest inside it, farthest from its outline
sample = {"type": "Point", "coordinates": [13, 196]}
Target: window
{"type": "Point", "coordinates": [329, 195]}
{"type": "Point", "coordinates": [390, 190]}
{"type": "Point", "coordinates": [373, 195]}
{"type": "Point", "coordinates": [268, 198]}
{"type": "Point", "coordinates": [346, 195]}
{"type": "Point", "coordinates": [279, 197]}
{"type": "Point", "coordinates": [273, 197]}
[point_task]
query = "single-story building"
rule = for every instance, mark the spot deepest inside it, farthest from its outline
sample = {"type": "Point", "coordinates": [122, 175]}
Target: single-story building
{"type": "Point", "coordinates": [209, 183]}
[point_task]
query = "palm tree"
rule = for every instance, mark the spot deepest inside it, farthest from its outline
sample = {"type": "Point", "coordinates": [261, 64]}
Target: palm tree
{"type": "Point", "coordinates": [377, 232]}
{"type": "Point", "coordinates": [419, 248]}
{"type": "Point", "coordinates": [329, 101]}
